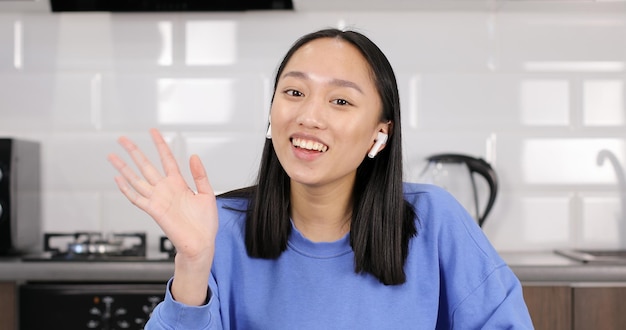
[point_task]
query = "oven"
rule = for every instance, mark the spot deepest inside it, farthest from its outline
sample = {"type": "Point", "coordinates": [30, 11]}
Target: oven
{"type": "Point", "coordinates": [70, 306]}
{"type": "Point", "coordinates": [91, 304]}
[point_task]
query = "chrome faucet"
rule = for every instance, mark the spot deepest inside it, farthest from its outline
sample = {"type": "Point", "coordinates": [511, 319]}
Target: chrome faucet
{"type": "Point", "coordinates": [620, 174]}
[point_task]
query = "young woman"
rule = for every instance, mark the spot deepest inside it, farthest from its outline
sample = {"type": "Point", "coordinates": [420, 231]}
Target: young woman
{"type": "Point", "coordinates": [329, 237]}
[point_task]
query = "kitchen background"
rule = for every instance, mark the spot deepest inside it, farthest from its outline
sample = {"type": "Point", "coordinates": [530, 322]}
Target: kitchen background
{"type": "Point", "coordinates": [535, 88]}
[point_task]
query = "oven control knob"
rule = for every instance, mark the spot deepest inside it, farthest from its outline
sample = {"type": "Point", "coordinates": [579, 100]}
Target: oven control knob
{"type": "Point", "coordinates": [149, 308]}
{"type": "Point", "coordinates": [140, 322]}
{"type": "Point", "coordinates": [92, 324]}
{"type": "Point", "coordinates": [123, 324]}
{"type": "Point", "coordinates": [95, 311]}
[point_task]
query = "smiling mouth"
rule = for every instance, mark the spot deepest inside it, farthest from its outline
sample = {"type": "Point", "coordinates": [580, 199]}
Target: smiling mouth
{"type": "Point", "coordinates": [309, 145]}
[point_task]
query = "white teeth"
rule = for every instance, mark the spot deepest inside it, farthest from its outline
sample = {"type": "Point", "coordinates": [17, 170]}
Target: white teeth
{"type": "Point", "coordinates": [309, 145]}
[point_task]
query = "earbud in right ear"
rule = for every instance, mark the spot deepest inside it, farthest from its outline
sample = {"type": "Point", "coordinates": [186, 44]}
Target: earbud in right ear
{"type": "Point", "coordinates": [380, 140]}
{"type": "Point", "coordinates": [268, 135]}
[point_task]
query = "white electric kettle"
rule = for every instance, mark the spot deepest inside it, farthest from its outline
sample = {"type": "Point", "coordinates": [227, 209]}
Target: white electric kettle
{"type": "Point", "coordinates": [456, 173]}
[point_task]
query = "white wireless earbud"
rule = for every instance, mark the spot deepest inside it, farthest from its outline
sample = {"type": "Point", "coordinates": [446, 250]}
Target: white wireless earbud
{"type": "Point", "coordinates": [268, 135]}
{"type": "Point", "coordinates": [380, 140]}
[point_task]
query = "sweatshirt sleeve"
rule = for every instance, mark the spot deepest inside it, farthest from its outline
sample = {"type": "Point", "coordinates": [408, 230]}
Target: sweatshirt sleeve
{"type": "Point", "coordinates": [497, 303]}
{"type": "Point", "coordinates": [478, 289]}
{"type": "Point", "coordinates": [173, 315]}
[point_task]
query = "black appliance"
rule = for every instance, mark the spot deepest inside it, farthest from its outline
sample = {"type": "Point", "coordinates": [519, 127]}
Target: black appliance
{"type": "Point", "coordinates": [73, 306]}
{"type": "Point", "coordinates": [99, 247]}
{"type": "Point", "coordinates": [169, 5]}
{"type": "Point", "coordinates": [20, 201]}
{"type": "Point", "coordinates": [103, 305]}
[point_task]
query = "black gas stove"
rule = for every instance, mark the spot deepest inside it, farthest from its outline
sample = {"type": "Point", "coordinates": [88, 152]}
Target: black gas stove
{"type": "Point", "coordinates": [88, 304]}
{"type": "Point", "coordinates": [99, 247]}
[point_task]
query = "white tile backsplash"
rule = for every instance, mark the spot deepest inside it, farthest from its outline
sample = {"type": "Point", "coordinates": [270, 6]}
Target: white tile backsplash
{"type": "Point", "coordinates": [210, 42]}
{"type": "Point", "coordinates": [544, 102]}
{"type": "Point", "coordinates": [603, 102]}
{"type": "Point", "coordinates": [192, 100]}
{"type": "Point", "coordinates": [449, 101]}
{"type": "Point", "coordinates": [45, 101]}
{"type": "Point", "coordinates": [559, 37]}
{"type": "Point", "coordinates": [551, 215]}
{"type": "Point", "coordinates": [603, 222]}
{"type": "Point", "coordinates": [531, 221]}
{"type": "Point", "coordinates": [71, 211]}
{"type": "Point", "coordinates": [559, 161]}
{"type": "Point", "coordinates": [78, 161]}
{"type": "Point", "coordinates": [231, 161]}
{"type": "Point", "coordinates": [536, 93]}
{"type": "Point", "coordinates": [7, 40]}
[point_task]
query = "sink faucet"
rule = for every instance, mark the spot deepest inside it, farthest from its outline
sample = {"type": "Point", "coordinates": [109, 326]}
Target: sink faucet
{"type": "Point", "coordinates": [620, 173]}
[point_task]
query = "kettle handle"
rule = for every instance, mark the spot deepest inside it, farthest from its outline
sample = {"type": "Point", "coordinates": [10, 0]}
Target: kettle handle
{"type": "Point", "coordinates": [475, 165]}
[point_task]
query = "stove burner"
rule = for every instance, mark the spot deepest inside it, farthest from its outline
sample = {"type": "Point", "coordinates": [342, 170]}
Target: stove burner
{"type": "Point", "coordinates": [166, 246]}
{"type": "Point", "coordinates": [95, 246]}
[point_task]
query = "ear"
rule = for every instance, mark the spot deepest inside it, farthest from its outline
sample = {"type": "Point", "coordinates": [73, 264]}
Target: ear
{"type": "Point", "coordinates": [386, 128]}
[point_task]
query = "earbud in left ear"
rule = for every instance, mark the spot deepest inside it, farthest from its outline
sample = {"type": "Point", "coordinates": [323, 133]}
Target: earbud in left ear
{"type": "Point", "coordinates": [380, 140]}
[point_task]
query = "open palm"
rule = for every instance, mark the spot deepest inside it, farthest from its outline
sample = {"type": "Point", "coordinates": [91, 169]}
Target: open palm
{"type": "Point", "coordinates": [189, 219]}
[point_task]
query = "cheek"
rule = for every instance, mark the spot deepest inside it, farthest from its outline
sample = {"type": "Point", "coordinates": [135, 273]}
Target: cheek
{"type": "Point", "coordinates": [276, 114]}
{"type": "Point", "coordinates": [359, 141]}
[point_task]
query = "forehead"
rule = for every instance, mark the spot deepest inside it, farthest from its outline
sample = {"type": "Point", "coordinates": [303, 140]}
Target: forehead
{"type": "Point", "coordinates": [333, 57]}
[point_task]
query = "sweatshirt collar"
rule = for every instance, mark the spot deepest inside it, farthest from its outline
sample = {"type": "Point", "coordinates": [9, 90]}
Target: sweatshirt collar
{"type": "Point", "coordinates": [320, 250]}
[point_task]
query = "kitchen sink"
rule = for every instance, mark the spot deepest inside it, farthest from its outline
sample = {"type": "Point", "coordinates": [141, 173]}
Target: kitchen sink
{"type": "Point", "coordinates": [595, 256]}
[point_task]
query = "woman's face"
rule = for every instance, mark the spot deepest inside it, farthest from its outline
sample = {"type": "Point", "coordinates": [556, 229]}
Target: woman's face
{"type": "Point", "coordinates": [325, 114]}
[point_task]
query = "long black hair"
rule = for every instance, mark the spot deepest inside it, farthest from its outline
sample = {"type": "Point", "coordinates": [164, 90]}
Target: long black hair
{"type": "Point", "coordinates": [382, 221]}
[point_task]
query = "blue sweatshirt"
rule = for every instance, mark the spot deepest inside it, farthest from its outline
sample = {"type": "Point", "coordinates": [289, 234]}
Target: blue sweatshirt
{"type": "Point", "coordinates": [455, 280]}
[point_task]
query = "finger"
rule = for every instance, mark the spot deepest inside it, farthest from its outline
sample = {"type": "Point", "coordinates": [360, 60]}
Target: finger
{"type": "Point", "coordinates": [167, 158]}
{"type": "Point", "coordinates": [138, 184]}
{"type": "Point", "coordinates": [131, 194]}
{"type": "Point", "coordinates": [143, 164]}
{"type": "Point", "coordinates": [199, 175]}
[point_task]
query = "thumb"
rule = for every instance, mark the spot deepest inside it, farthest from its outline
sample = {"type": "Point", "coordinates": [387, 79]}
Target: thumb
{"type": "Point", "coordinates": [199, 175]}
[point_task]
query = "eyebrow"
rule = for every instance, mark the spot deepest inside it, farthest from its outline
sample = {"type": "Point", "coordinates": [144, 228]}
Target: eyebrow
{"type": "Point", "coordinates": [335, 81]}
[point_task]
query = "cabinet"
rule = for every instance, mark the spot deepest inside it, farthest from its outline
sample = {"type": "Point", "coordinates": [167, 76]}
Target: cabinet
{"type": "Point", "coordinates": [8, 310]}
{"type": "Point", "coordinates": [550, 307]}
{"type": "Point", "coordinates": [577, 306]}
{"type": "Point", "coordinates": [599, 307]}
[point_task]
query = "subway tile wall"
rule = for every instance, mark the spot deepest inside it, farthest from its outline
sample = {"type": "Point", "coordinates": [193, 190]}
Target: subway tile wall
{"type": "Point", "coordinates": [538, 94]}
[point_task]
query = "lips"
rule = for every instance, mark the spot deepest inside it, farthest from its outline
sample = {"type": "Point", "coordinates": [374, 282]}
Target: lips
{"type": "Point", "coordinates": [309, 145]}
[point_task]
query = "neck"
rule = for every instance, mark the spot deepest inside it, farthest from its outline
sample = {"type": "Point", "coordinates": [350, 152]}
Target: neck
{"type": "Point", "coordinates": [321, 214]}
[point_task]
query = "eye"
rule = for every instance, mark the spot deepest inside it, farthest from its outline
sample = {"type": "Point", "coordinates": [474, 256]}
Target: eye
{"type": "Point", "coordinates": [340, 102]}
{"type": "Point", "coordinates": [293, 92]}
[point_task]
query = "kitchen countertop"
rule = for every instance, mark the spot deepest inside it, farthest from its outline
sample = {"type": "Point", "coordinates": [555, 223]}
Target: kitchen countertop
{"type": "Point", "coordinates": [549, 267]}
{"type": "Point", "coordinates": [530, 267]}
{"type": "Point", "coordinates": [14, 269]}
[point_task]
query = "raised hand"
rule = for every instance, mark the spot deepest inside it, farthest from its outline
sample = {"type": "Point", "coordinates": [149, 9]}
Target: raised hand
{"type": "Point", "coordinates": [189, 219]}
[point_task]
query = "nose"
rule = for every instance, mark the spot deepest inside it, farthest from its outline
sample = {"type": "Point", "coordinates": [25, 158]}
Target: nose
{"type": "Point", "coordinates": [312, 113]}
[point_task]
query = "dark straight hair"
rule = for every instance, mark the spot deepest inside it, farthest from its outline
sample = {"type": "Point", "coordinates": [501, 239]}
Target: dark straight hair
{"type": "Point", "coordinates": [382, 222]}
